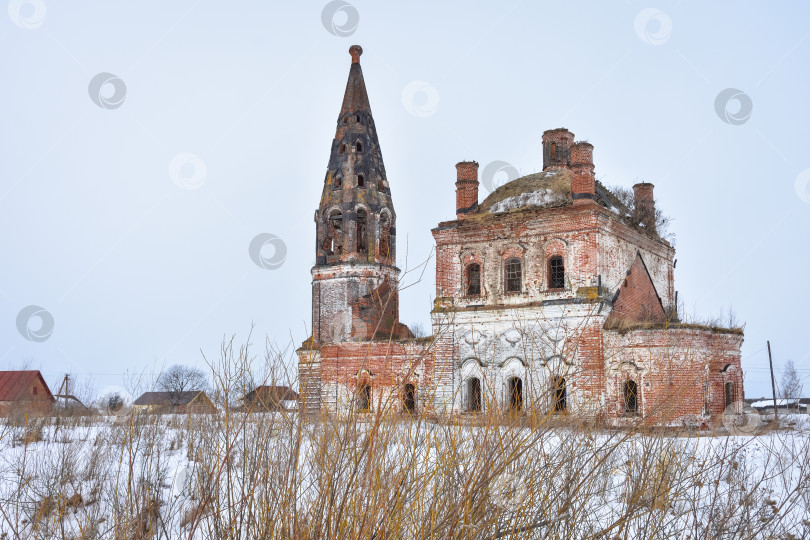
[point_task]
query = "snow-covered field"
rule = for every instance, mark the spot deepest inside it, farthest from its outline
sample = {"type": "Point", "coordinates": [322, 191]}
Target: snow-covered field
{"type": "Point", "coordinates": [270, 476]}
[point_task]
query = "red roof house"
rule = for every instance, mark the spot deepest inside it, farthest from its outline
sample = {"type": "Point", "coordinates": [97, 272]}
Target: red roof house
{"type": "Point", "coordinates": [24, 391]}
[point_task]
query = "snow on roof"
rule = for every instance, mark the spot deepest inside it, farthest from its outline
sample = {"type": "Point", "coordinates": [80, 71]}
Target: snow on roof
{"type": "Point", "coordinates": [784, 402]}
{"type": "Point", "coordinates": [543, 197]}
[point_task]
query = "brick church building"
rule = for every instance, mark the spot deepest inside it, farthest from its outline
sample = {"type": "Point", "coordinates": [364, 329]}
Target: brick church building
{"type": "Point", "coordinates": [553, 295]}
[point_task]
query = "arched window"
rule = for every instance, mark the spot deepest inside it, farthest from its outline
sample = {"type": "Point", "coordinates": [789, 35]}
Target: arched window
{"type": "Point", "coordinates": [337, 183]}
{"type": "Point", "coordinates": [409, 398]}
{"type": "Point", "coordinates": [556, 273]}
{"type": "Point", "coordinates": [359, 146]}
{"type": "Point", "coordinates": [513, 275]}
{"type": "Point", "coordinates": [357, 117]}
{"type": "Point", "coordinates": [559, 394]}
{"type": "Point", "coordinates": [361, 180]}
{"type": "Point", "coordinates": [385, 236]}
{"type": "Point", "coordinates": [333, 242]}
{"type": "Point", "coordinates": [474, 394]}
{"type": "Point", "coordinates": [364, 398]}
{"type": "Point", "coordinates": [342, 149]}
{"type": "Point", "coordinates": [362, 239]}
{"type": "Point", "coordinates": [345, 119]}
{"type": "Point", "coordinates": [473, 279]}
{"type": "Point", "coordinates": [729, 394]}
{"type": "Point", "coordinates": [630, 392]}
{"type": "Point", "coordinates": [514, 387]}
{"type": "Point", "coordinates": [553, 150]}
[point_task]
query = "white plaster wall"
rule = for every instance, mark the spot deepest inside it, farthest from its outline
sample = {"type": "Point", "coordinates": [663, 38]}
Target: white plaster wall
{"type": "Point", "coordinates": [532, 343]}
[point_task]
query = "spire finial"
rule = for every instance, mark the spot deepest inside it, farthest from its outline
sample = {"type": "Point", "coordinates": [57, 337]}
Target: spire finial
{"type": "Point", "coordinates": [355, 51]}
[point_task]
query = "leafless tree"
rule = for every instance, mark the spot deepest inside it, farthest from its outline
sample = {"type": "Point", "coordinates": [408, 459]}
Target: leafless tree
{"type": "Point", "coordinates": [633, 216]}
{"type": "Point", "coordinates": [791, 382]}
{"type": "Point", "coordinates": [418, 330]}
{"type": "Point", "coordinates": [179, 379]}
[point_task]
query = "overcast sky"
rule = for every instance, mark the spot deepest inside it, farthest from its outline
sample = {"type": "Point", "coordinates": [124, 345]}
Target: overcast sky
{"type": "Point", "coordinates": [128, 201]}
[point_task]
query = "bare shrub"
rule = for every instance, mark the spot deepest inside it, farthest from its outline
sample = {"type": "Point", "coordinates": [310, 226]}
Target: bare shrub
{"type": "Point", "coordinates": [245, 473]}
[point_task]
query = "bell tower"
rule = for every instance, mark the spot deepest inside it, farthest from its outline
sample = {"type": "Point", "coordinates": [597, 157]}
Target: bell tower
{"type": "Point", "coordinates": [355, 280]}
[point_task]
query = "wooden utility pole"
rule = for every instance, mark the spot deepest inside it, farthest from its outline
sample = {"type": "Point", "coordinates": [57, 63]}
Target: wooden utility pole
{"type": "Point", "coordinates": [64, 389]}
{"type": "Point", "coordinates": [773, 385]}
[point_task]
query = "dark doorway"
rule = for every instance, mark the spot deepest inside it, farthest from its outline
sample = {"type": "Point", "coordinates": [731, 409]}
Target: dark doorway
{"type": "Point", "coordinates": [513, 277]}
{"type": "Point", "coordinates": [559, 394]}
{"type": "Point", "coordinates": [364, 398]}
{"type": "Point", "coordinates": [474, 394]}
{"type": "Point", "coordinates": [362, 240]}
{"type": "Point", "coordinates": [409, 398]}
{"type": "Point", "coordinates": [630, 390]}
{"type": "Point", "coordinates": [729, 393]}
{"type": "Point", "coordinates": [385, 237]}
{"type": "Point", "coordinates": [515, 388]}
{"type": "Point", "coordinates": [556, 273]}
{"type": "Point", "coordinates": [474, 279]}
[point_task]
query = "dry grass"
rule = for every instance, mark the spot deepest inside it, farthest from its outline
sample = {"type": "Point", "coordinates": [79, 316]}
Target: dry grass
{"type": "Point", "coordinates": [385, 475]}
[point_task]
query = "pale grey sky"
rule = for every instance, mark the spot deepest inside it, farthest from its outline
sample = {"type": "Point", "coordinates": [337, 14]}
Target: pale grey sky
{"type": "Point", "coordinates": [238, 103]}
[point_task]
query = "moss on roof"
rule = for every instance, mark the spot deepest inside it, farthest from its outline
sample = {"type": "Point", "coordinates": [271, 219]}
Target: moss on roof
{"type": "Point", "coordinates": [555, 181]}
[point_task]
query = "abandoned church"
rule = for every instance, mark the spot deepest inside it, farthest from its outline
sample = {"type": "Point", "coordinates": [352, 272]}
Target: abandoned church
{"type": "Point", "coordinates": [554, 295]}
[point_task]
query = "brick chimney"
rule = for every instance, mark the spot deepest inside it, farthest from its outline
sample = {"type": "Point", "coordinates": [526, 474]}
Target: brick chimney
{"type": "Point", "coordinates": [466, 188]}
{"type": "Point", "coordinates": [645, 205]}
{"type": "Point", "coordinates": [557, 149]}
{"type": "Point", "coordinates": [583, 182]}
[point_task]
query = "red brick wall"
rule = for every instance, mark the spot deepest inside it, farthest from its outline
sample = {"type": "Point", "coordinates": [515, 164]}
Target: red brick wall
{"type": "Point", "coordinates": [583, 181]}
{"type": "Point", "coordinates": [385, 365]}
{"type": "Point", "coordinates": [466, 187]}
{"type": "Point", "coordinates": [681, 372]}
{"type": "Point", "coordinates": [533, 236]}
{"type": "Point", "coordinates": [637, 300]}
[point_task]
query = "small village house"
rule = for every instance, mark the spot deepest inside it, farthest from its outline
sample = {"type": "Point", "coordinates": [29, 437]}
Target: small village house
{"type": "Point", "coordinates": [271, 398]}
{"type": "Point", "coordinates": [24, 392]}
{"type": "Point", "coordinates": [192, 401]}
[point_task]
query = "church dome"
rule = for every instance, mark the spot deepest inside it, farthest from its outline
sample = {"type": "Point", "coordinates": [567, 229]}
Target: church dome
{"type": "Point", "coordinates": [547, 189]}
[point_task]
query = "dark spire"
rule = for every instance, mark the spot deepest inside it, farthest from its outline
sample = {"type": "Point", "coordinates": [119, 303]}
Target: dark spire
{"type": "Point", "coordinates": [355, 278]}
{"type": "Point", "coordinates": [362, 226]}
{"type": "Point", "coordinates": [355, 99]}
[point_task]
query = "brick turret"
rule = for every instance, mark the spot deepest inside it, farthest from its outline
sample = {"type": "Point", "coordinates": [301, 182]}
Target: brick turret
{"type": "Point", "coordinates": [557, 149]}
{"type": "Point", "coordinates": [583, 182]}
{"type": "Point", "coordinates": [645, 205]}
{"type": "Point", "coordinates": [466, 188]}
